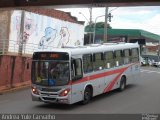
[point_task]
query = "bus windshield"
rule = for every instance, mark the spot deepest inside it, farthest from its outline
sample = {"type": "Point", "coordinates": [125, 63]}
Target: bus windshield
{"type": "Point", "coordinates": [50, 73]}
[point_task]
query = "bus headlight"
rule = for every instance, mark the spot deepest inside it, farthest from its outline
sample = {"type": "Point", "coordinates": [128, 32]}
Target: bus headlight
{"type": "Point", "coordinates": [64, 92]}
{"type": "Point", "coordinates": [35, 91]}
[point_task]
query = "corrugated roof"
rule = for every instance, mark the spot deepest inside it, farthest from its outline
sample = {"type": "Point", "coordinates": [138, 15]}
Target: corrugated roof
{"type": "Point", "coordinates": [127, 32]}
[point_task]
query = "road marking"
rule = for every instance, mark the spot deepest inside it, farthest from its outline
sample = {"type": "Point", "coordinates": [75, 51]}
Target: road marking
{"type": "Point", "coordinates": [149, 71]}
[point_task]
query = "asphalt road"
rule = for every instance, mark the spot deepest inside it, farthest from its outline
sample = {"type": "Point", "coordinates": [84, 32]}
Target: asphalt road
{"type": "Point", "coordinates": [142, 97]}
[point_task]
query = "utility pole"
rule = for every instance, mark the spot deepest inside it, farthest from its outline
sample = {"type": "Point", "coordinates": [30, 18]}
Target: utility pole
{"type": "Point", "coordinates": [21, 41]}
{"type": "Point", "coordinates": [90, 25]}
{"type": "Point", "coordinates": [158, 51]}
{"type": "Point", "coordinates": [105, 24]}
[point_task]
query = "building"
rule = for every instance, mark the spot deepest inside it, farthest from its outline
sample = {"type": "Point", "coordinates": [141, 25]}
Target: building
{"type": "Point", "coordinates": [28, 29]}
{"type": "Point", "coordinates": [148, 41]}
{"type": "Point", "coordinates": [22, 31]}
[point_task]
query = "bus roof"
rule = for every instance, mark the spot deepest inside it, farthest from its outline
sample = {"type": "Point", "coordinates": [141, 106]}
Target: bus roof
{"type": "Point", "coordinates": [93, 48]}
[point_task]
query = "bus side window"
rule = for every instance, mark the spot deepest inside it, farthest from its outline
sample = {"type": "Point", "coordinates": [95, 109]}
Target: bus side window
{"type": "Point", "coordinates": [126, 56]}
{"type": "Point", "coordinates": [109, 59]}
{"type": "Point", "coordinates": [87, 63]}
{"type": "Point", "coordinates": [98, 61]}
{"type": "Point", "coordinates": [118, 58]}
{"type": "Point", "coordinates": [76, 69]}
{"type": "Point", "coordinates": [135, 55]}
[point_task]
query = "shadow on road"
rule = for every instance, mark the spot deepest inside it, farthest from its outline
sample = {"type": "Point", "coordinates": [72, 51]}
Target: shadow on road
{"type": "Point", "coordinates": [112, 93]}
{"type": "Point", "coordinates": [57, 106]}
{"type": "Point", "coordinates": [76, 105]}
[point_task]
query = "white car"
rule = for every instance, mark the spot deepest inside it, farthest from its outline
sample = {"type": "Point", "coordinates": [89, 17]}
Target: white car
{"type": "Point", "coordinates": [143, 62]}
{"type": "Point", "coordinates": [156, 64]}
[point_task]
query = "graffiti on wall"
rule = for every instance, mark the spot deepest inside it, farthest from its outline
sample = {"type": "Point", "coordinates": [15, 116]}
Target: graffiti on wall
{"type": "Point", "coordinates": [29, 28]}
{"type": "Point", "coordinates": [51, 35]}
{"type": "Point", "coordinates": [48, 38]}
{"type": "Point", "coordinates": [77, 43]}
{"type": "Point", "coordinates": [65, 35]}
{"type": "Point", "coordinates": [43, 32]}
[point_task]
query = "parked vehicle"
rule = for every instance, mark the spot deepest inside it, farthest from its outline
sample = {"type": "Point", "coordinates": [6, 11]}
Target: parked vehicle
{"type": "Point", "coordinates": [156, 64]}
{"type": "Point", "coordinates": [143, 61]}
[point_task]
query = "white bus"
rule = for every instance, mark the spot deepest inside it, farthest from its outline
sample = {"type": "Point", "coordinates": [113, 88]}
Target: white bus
{"type": "Point", "coordinates": [69, 75]}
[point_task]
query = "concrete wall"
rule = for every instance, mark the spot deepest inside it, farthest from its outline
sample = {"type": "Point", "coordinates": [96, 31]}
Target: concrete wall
{"type": "Point", "coordinates": [14, 71]}
{"type": "Point", "coordinates": [4, 24]}
{"type": "Point", "coordinates": [44, 32]}
{"type": "Point", "coordinates": [4, 27]}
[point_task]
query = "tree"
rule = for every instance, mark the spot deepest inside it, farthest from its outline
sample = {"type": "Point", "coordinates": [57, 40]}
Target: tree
{"type": "Point", "coordinates": [98, 25]}
{"type": "Point", "coordinates": [89, 29]}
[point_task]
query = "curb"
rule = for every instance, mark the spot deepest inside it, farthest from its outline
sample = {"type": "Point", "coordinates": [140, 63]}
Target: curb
{"type": "Point", "coordinates": [13, 89]}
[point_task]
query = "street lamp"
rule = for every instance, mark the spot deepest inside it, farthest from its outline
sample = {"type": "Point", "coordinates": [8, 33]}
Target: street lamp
{"type": "Point", "coordinates": [84, 16]}
{"type": "Point", "coordinates": [107, 15]}
{"type": "Point", "coordinates": [106, 21]}
{"type": "Point", "coordinates": [90, 22]}
{"type": "Point", "coordinates": [105, 24]}
{"type": "Point", "coordinates": [94, 32]}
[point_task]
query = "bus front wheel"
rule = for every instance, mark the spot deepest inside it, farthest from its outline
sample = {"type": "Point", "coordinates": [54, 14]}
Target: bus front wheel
{"type": "Point", "coordinates": [87, 95]}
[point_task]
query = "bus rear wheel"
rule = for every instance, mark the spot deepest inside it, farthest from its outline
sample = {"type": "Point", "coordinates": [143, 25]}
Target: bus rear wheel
{"type": "Point", "coordinates": [122, 84]}
{"type": "Point", "coordinates": [87, 96]}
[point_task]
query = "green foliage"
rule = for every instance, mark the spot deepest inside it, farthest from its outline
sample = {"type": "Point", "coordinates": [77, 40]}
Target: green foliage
{"type": "Point", "coordinates": [98, 25]}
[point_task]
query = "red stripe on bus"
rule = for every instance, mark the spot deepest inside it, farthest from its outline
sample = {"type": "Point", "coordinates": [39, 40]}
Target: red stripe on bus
{"type": "Point", "coordinates": [96, 76]}
{"type": "Point", "coordinates": [112, 83]}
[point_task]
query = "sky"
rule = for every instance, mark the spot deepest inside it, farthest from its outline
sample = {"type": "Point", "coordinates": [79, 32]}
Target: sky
{"type": "Point", "coordinates": [143, 17]}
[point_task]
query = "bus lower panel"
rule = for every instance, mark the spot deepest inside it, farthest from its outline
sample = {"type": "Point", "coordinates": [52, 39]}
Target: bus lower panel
{"type": "Point", "coordinates": [50, 100]}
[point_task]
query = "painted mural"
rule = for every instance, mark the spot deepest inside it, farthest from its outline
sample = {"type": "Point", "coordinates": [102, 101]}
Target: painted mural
{"type": "Point", "coordinates": [29, 28]}
{"type": "Point", "coordinates": [65, 37]}
{"type": "Point", "coordinates": [48, 38]}
{"type": "Point", "coordinates": [43, 32]}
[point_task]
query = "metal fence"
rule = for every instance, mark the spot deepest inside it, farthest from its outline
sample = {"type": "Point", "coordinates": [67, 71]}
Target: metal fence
{"type": "Point", "coordinates": [12, 47]}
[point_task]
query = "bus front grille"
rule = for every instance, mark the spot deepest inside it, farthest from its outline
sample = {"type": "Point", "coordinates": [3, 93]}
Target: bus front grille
{"type": "Point", "coordinates": [50, 89]}
{"type": "Point", "coordinates": [50, 99]}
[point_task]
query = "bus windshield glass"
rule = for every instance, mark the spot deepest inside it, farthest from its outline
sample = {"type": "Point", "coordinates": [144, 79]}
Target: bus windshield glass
{"type": "Point", "coordinates": [50, 73]}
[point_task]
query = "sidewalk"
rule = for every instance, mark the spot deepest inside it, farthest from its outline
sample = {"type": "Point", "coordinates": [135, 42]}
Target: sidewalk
{"type": "Point", "coordinates": [19, 86]}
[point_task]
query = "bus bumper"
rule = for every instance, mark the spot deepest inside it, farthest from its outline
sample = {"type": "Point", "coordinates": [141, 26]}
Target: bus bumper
{"type": "Point", "coordinates": [48, 99]}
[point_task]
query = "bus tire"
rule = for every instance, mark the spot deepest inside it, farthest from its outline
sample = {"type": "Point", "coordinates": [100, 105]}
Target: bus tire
{"type": "Point", "coordinates": [122, 83]}
{"type": "Point", "coordinates": [87, 95]}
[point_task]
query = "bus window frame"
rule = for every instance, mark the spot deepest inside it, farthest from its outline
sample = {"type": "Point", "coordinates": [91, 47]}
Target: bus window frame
{"type": "Point", "coordinates": [73, 76]}
{"type": "Point", "coordinates": [120, 58]}
{"type": "Point", "coordinates": [91, 61]}
{"type": "Point", "coordinates": [102, 60]}
{"type": "Point", "coordinates": [127, 57]}
{"type": "Point", "coordinates": [135, 58]}
{"type": "Point", "coordinates": [112, 64]}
